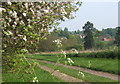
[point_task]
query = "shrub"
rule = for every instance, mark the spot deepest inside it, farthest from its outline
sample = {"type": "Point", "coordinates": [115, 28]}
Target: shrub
{"type": "Point", "coordinates": [103, 54]}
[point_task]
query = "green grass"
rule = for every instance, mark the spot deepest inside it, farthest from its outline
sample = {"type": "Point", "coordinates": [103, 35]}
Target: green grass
{"type": "Point", "coordinates": [100, 64]}
{"type": "Point", "coordinates": [43, 76]}
{"type": "Point", "coordinates": [88, 77]}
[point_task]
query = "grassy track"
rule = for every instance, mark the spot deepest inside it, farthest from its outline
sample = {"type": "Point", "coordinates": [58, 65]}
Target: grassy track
{"type": "Point", "coordinates": [101, 64]}
{"type": "Point", "coordinates": [43, 76]}
{"type": "Point", "coordinates": [75, 73]}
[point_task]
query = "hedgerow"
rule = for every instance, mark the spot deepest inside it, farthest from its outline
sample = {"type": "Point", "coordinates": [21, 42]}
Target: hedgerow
{"type": "Point", "coordinates": [103, 54]}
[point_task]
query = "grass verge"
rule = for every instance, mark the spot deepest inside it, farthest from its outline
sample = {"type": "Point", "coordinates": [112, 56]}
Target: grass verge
{"type": "Point", "coordinates": [43, 76]}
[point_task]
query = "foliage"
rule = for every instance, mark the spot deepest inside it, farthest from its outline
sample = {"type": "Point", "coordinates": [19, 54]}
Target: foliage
{"type": "Point", "coordinates": [104, 45]}
{"type": "Point", "coordinates": [48, 45]}
{"type": "Point", "coordinates": [64, 33]}
{"type": "Point", "coordinates": [109, 31]}
{"type": "Point", "coordinates": [59, 45]}
{"type": "Point", "coordinates": [101, 54]}
{"type": "Point", "coordinates": [117, 38]}
{"type": "Point", "coordinates": [88, 40]}
{"type": "Point", "coordinates": [25, 24]}
{"type": "Point", "coordinates": [74, 41]}
{"type": "Point", "coordinates": [110, 54]}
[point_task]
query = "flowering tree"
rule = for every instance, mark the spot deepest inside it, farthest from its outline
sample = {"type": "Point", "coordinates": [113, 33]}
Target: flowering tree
{"type": "Point", "coordinates": [25, 24]}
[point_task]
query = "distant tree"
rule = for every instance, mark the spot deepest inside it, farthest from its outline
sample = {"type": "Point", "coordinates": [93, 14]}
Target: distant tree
{"type": "Point", "coordinates": [117, 37]}
{"type": "Point", "coordinates": [77, 32]}
{"type": "Point", "coordinates": [88, 40]}
{"type": "Point", "coordinates": [49, 43]}
{"type": "Point", "coordinates": [109, 31]}
{"type": "Point", "coordinates": [65, 33]}
{"type": "Point", "coordinates": [66, 29]}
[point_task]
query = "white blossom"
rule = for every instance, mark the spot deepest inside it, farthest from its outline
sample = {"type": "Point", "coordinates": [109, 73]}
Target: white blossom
{"type": "Point", "coordinates": [42, 30]}
{"type": "Point", "coordinates": [10, 33]}
{"type": "Point", "coordinates": [15, 14]}
{"type": "Point", "coordinates": [13, 26]}
{"type": "Point", "coordinates": [32, 10]}
{"type": "Point", "coordinates": [62, 10]}
{"type": "Point", "coordinates": [70, 60]}
{"type": "Point", "coordinates": [10, 12]}
{"type": "Point", "coordinates": [24, 50]}
{"type": "Point", "coordinates": [22, 22]}
{"type": "Point", "coordinates": [10, 20]}
{"type": "Point", "coordinates": [89, 64]}
{"type": "Point", "coordinates": [58, 42]}
{"type": "Point", "coordinates": [57, 70]}
{"type": "Point", "coordinates": [35, 79]}
{"type": "Point", "coordinates": [64, 18]}
{"type": "Point", "coordinates": [8, 24]}
{"type": "Point", "coordinates": [9, 3]}
{"type": "Point", "coordinates": [74, 50]}
{"type": "Point", "coordinates": [20, 35]}
{"type": "Point", "coordinates": [46, 11]}
{"type": "Point", "coordinates": [5, 25]}
{"type": "Point", "coordinates": [15, 23]}
{"type": "Point", "coordinates": [24, 38]}
{"type": "Point", "coordinates": [24, 14]}
{"type": "Point", "coordinates": [26, 5]}
{"type": "Point", "coordinates": [39, 12]}
{"type": "Point", "coordinates": [81, 73]}
{"type": "Point", "coordinates": [28, 20]}
{"type": "Point", "coordinates": [17, 19]}
{"type": "Point", "coordinates": [64, 53]}
{"type": "Point", "coordinates": [29, 26]}
{"type": "Point", "coordinates": [43, 2]}
{"type": "Point", "coordinates": [2, 9]}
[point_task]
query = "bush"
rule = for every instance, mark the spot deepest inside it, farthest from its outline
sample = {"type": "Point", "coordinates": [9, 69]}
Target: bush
{"type": "Point", "coordinates": [103, 54]}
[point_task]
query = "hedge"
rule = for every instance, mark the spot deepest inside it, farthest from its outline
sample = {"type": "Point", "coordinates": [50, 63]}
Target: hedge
{"type": "Point", "coordinates": [103, 54]}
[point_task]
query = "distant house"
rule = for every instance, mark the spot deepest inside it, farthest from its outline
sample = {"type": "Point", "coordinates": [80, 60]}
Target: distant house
{"type": "Point", "coordinates": [82, 36]}
{"type": "Point", "coordinates": [108, 39]}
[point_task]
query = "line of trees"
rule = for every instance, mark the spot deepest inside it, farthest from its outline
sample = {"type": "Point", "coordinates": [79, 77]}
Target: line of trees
{"type": "Point", "coordinates": [88, 38]}
{"type": "Point", "coordinates": [89, 35]}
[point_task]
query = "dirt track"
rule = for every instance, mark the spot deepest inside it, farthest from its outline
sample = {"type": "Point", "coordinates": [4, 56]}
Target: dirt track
{"type": "Point", "coordinates": [99, 73]}
{"type": "Point", "coordinates": [83, 51]}
{"type": "Point", "coordinates": [60, 75]}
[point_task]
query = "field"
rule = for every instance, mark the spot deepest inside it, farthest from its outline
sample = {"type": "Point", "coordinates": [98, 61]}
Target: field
{"type": "Point", "coordinates": [109, 65]}
{"type": "Point", "coordinates": [75, 73]}
{"type": "Point", "coordinates": [40, 74]}
{"type": "Point", "coordinates": [101, 64]}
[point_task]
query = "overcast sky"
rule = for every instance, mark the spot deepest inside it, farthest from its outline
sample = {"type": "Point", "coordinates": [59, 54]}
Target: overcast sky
{"type": "Point", "coordinates": [102, 13]}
